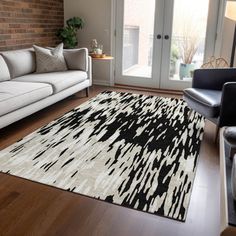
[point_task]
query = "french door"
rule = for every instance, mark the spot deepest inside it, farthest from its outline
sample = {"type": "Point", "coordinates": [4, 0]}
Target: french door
{"type": "Point", "coordinates": [159, 43]}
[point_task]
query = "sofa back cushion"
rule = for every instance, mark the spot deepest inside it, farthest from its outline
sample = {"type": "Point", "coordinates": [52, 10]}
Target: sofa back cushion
{"type": "Point", "coordinates": [76, 59]}
{"type": "Point", "coordinates": [4, 72]}
{"type": "Point", "coordinates": [20, 62]}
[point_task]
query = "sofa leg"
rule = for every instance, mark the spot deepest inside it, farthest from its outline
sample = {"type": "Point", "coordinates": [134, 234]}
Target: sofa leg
{"type": "Point", "coordinates": [87, 92]}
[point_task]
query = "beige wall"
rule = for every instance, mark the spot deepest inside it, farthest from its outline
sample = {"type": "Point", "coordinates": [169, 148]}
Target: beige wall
{"type": "Point", "coordinates": [97, 16]}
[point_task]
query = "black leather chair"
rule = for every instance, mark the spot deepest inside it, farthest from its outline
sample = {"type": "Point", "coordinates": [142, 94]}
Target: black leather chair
{"type": "Point", "coordinates": [213, 95]}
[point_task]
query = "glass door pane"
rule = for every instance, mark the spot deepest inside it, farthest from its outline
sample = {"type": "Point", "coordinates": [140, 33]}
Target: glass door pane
{"type": "Point", "coordinates": [138, 31]}
{"type": "Point", "coordinates": [188, 38]}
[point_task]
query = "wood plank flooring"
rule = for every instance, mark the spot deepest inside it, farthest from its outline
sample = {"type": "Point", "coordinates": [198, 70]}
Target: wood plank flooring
{"type": "Point", "coordinates": [28, 208]}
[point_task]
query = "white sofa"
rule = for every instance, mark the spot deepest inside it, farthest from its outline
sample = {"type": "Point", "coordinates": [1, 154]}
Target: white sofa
{"type": "Point", "coordinates": [24, 92]}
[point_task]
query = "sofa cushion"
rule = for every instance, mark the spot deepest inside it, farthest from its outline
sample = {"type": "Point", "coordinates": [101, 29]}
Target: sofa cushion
{"type": "Point", "coordinates": [76, 59]}
{"type": "Point", "coordinates": [206, 102]}
{"type": "Point", "coordinates": [58, 80]}
{"type": "Point", "coordinates": [50, 60]}
{"type": "Point", "coordinates": [15, 95]}
{"type": "Point", "coordinates": [20, 62]}
{"type": "Point", "coordinates": [4, 72]}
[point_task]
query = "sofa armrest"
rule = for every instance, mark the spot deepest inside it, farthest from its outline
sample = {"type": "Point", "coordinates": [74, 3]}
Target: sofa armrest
{"type": "Point", "coordinates": [228, 105]}
{"type": "Point", "coordinates": [90, 70]}
{"type": "Point", "coordinates": [213, 78]}
{"type": "Point", "coordinates": [76, 59]}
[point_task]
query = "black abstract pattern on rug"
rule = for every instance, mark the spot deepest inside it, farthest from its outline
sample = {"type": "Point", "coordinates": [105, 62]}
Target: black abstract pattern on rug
{"type": "Point", "coordinates": [133, 150]}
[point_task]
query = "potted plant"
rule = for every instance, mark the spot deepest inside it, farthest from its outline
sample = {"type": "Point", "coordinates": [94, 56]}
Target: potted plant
{"type": "Point", "coordinates": [188, 47]}
{"type": "Point", "coordinates": [68, 34]}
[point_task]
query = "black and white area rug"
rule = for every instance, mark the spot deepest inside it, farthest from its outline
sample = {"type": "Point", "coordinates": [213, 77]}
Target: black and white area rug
{"type": "Point", "coordinates": [132, 150]}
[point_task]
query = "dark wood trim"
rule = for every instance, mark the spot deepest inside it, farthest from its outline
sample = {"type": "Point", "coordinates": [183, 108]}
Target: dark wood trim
{"type": "Point", "coordinates": [161, 91]}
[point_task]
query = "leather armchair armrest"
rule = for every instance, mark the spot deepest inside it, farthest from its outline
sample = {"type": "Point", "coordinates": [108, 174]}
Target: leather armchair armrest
{"type": "Point", "coordinates": [213, 78]}
{"type": "Point", "coordinates": [228, 105]}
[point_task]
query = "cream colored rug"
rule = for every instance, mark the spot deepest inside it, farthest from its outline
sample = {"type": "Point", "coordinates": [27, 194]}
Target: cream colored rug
{"type": "Point", "coordinates": [133, 150]}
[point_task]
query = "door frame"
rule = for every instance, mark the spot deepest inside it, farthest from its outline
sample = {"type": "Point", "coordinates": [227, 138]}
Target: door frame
{"type": "Point", "coordinates": [216, 48]}
{"type": "Point", "coordinates": [157, 48]}
{"type": "Point", "coordinates": [210, 42]}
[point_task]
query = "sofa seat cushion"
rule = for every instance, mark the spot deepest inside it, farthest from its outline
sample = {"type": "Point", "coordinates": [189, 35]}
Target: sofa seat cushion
{"type": "Point", "coordinates": [15, 95]}
{"type": "Point", "coordinates": [59, 80]}
{"type": "Point", "coordinates": [206, 102]}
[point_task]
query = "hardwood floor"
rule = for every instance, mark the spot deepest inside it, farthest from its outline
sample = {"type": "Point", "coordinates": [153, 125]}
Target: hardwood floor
{"type": "Point", "coordinates": [28, 208]}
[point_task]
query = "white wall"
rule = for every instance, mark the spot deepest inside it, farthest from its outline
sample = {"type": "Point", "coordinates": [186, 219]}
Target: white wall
{"type": "Point", "coordinates": [225, 34]}
{"type": "Point", "coordinates": [97, 16]}
{"type": "Point", "coordinates": [227, 39]}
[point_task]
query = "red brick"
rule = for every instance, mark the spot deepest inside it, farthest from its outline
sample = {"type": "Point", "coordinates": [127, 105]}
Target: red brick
{"type": "Point", "coordinates": [27, 22]}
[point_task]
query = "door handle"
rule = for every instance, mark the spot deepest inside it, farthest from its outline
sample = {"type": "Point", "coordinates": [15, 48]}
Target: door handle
{"type": "Point", "coordinates": [159, 36]}
{"type": "Point", "coordinates": [167, 37]}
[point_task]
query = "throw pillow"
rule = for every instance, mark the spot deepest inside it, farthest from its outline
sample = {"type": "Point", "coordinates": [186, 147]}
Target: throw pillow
{"type": "Point", "coordinates": [76, 59]}
{"type": "Point", "coordinates": [50, 60]}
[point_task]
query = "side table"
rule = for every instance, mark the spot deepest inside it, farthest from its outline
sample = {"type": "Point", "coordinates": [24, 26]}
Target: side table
{"type": "Point", "coordinates": [103, 58]}
{"type": "Point", "coordinates": [102, 71]}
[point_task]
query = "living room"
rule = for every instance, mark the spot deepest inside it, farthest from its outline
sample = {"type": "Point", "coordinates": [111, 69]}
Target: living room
{"type": "Point", "coordinates": [117, 117]}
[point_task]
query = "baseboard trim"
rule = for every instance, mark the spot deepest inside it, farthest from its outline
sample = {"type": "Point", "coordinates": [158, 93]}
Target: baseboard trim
{"type": "Point", "coordinates": [100, 82]}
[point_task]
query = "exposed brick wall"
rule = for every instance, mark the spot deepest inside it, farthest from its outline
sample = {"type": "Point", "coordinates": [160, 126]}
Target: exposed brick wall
{"type": "Point", "coordinates": [27, 22]}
